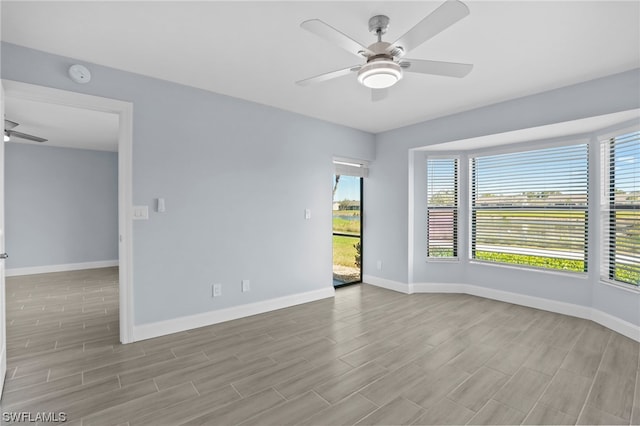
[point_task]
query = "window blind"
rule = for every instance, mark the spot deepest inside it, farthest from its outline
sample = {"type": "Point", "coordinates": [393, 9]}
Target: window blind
{"type": "Point", "coordinates": [442, 208]}
{"type": "Point", "coordinates": [350, 168]}
{"type": "Point", "coordinates": [530, 208]}
{"type": "Point", "coordinates": [621, 158]}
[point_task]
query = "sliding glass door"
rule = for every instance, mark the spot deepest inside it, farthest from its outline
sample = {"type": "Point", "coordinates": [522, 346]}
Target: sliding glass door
{"type": "Point", "coordinates": [347, 230]}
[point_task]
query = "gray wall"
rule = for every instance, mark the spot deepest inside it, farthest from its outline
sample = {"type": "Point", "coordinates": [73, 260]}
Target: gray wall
{"type": "Point", "coordinates": [237, 177]}
{"type": "Point", "coordinates": [395, 194]}
{"type": "Point", "coordinates": [61, 205]}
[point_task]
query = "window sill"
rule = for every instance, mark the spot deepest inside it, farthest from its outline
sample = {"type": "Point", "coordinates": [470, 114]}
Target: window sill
{"type": "Point", "coordinates": [578, 275]}
{"type": "Point", "coordinates": [443, 259]}
{"type": "Point", "coordinates": [622, 286]}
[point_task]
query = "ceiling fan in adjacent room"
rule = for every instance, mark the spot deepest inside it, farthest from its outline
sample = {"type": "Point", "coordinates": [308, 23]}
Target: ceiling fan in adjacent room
{"type": "Point", "coordinates": [9, 133]}
{"type": "Point", "coordinates": [385, 64]}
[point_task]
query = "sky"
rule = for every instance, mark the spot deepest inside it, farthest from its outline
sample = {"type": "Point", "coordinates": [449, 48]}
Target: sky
{"type": "Point", "coordinates": [628, 163]}
{"type": "Point", "coordinates": [348, 188]}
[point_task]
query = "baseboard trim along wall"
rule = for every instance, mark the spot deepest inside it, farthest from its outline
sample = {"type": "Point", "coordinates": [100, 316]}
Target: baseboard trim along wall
{"type": "Point", "coordinates": [30, 270]}
{"type": "Point", "coordinates": [616, 324]}
{"type": "Point", "coordinates": [388, 284]}
{"type": "Point", "coordinates": [175, 325]}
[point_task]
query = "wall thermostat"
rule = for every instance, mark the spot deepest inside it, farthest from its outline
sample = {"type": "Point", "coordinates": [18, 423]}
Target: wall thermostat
{"type": "Point", "coordinates": [79, 73]}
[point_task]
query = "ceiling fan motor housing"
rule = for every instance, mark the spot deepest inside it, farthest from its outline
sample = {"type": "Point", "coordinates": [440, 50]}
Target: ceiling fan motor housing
{"type": "Point", "coordinates": [380, 73]}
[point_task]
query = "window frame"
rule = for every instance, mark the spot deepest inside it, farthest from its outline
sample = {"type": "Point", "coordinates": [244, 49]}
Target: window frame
{"type": "Point", "coordinates": [607, 267]}
{"type": "Point", "coordinates": [456, 231]}
{"type": "Point", "coordinates": [523, 147]}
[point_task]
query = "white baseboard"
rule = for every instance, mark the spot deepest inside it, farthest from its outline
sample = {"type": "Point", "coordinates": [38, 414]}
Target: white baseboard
{"type": "Point", "coordinates": [388, 284]}
{"type": "Point", "coordinates": [616, 324]}
{"type": "Point", "coordinates": [175, 325]}
{"type": "Point", "coordinates": [13, 272]}
{"type": "Point", "coordinates": [439, 288]}
{"type": "Point", "coordinates": [505, 296]}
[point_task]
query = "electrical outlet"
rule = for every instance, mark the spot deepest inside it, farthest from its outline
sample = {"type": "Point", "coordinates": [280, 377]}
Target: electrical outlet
{"type": "Point", "coordinates": [379, 265]}
{"type": "Point", "coordinates": [245, 286]}
{"type": "Point", "coordinates": [216, 290]}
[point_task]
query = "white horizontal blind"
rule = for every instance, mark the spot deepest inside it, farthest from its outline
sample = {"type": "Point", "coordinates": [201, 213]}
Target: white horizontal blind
{"type": "Point", "coordinates": [442, 208]}
{"type": "Point", "coordinates": [530, 208]}
{"type": "Point", "coordinates": [621, 157]}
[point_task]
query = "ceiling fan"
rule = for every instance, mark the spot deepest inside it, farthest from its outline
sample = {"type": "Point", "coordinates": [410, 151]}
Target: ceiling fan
{"type": "Point", "coordinates": [385, 64]}
{"type": "Point", "coordinates": [10, 133]}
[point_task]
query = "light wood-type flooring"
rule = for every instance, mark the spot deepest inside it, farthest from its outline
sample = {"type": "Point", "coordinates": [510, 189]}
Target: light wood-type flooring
{"type": "Point", "coordinates": [369, 356]}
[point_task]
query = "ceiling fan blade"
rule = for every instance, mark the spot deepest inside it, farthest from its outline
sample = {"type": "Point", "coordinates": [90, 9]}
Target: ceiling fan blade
{"type": "Point", "coordinates": [14, 134]}
{"type": "Point", "coordinates": [437, 21]}
{"type": "Point", "coordinates": [327, 32]}
{"type": "Point", "coordinates": [328, 75]}
{"type": "Point", "coordinates": [379, 94]}
{"type": "Point", "coordinates": [8, 124]}
{"type": "Point", "coordinates": [448, 69]}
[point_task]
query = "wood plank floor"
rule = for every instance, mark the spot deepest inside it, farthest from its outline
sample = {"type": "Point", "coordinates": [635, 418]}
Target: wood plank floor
{"type": "Point", "coordinates": [369, 356]}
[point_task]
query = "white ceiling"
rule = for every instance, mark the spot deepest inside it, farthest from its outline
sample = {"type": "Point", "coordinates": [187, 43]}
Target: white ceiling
{"type": "Point", "coordinates": [256, 50]}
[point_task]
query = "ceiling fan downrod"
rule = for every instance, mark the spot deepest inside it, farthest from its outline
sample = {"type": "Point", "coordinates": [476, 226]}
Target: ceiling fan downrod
{"type": "Point", "coordinates": [379, 25]}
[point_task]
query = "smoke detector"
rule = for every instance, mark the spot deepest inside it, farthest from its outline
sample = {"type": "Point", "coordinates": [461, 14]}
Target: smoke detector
{"type": "Point", "coordinates": [79, 74]}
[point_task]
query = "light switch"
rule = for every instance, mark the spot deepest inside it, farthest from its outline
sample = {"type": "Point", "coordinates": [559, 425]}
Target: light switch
{"type": "Point", "coordinates": [160, 207]}
{"type": "Point", "coordinates": [140, 212]}
{"type": "Point", "coordinates": [307, 214]}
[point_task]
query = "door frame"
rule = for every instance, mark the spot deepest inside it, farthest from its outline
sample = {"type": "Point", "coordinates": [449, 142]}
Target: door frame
{"type": "Point", "coordinates": [124, 110]}
{"type": "Point", "coordinates": [361, 188]}
{"type": "Point", "coordinates": [3, 320]}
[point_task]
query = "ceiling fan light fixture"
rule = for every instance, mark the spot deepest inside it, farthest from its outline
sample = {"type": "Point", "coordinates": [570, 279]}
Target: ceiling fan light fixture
{"type": "Point", "coordinates": [380, 74]}
{"type": "Point", "coordinates": [7, 138]}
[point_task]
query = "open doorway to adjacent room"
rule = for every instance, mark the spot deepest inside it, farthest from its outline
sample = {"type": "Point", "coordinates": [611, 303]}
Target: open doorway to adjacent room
{"type": "Point", "coordinates": [92, 274]}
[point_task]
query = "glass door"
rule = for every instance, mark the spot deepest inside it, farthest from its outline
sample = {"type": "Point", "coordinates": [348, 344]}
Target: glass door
{"type": "Point", "coordinates": [347, 230]}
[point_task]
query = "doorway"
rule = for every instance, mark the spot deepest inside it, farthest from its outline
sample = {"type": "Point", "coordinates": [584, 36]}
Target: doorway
{"type": "Point", "coordinates": [124, 110]}
{"type": "Point", "coordinates": [347, 229]}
